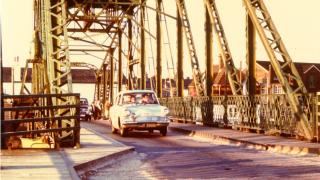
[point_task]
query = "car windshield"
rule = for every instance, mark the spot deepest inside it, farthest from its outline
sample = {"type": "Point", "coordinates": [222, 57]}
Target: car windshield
{"type": "Point", "coordinates": [83, 101]}
{"type": "Point", "coordinates": [139, 98]}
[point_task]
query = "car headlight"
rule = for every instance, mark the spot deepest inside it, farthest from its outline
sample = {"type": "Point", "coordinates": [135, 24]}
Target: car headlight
{"type": "Point", "coordinates": [165, 111]}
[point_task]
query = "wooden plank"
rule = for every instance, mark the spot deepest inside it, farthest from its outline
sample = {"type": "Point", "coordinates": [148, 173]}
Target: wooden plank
{"type": "Point", "coordinates": [39, 131]}
{"type": "Point", "coordinates": [8, 121]}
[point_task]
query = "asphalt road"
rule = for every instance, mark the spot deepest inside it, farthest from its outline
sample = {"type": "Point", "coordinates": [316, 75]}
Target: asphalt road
{"type": "Point", "coordinates": [178, 156]}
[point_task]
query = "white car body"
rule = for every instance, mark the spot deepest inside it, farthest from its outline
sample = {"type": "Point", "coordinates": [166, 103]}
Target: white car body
{"type": "Point", "coordinates": [126, 116]}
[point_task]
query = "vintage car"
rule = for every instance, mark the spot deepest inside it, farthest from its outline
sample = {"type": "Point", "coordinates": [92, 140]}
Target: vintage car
{"type": "Point", "coordinates": [84, 111]}
{"type": "Point", "coordinates": [138, 110]}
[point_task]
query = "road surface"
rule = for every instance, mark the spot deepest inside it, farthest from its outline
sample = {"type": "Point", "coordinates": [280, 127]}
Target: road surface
{"type": "Point", "coordinates": [178, 156]}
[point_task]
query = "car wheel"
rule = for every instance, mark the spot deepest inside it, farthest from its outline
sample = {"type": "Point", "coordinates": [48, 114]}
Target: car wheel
{"type": "Point", "coordinates": [150, 130]}
{"type": "Point", "coordinates": [123, 132]}
{"type": "Point", "coordinates": [163, 131]}
{"type": "Point", "coordinates": [113, 129]}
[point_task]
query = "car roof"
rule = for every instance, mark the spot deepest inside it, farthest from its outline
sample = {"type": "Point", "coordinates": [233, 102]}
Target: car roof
{"type": "Point", "coordinates": [136, 91]}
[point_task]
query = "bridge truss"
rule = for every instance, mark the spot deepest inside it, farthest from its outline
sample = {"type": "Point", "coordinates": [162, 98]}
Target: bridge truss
{"type": "Point", "coordinates": [114, 33]}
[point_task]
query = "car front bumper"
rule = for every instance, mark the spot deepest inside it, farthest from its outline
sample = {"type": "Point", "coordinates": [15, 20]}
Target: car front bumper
{"type": "Point", "coordinates": [145, 125]}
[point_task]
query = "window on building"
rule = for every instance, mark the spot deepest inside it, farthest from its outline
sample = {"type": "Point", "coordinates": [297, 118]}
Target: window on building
{"type": "Point", "coordinates": [277, 89]}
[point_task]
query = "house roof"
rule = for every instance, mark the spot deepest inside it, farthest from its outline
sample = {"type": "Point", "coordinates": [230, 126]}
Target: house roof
{"type": "Point", "coordinates": [302, 67]}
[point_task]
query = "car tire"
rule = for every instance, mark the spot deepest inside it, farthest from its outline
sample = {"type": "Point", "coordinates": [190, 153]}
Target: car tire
{"type": "Point", "coordinates": [113, 129]}
{"type": "Point", "coordinates": [163, 131]}
{"type": "Point", "coordinates": [123, 132]}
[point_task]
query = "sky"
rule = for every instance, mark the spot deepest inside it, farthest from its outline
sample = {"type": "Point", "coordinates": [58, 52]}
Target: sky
{"type": "Point", "coordinates": [296, 20]}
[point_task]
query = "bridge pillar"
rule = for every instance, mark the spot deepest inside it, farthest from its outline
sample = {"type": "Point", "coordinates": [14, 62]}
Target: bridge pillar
{"type": "Point", "coordinates": [111, 76]}
{"type": "Point", "coordinates": [180, 79]}
{"type": "Point", "coordinates": [251, 56]}
{"type": "Point", "coordinates": [104, 84]}
{"type": "Point", "coordinates": [143, 52]}
{"type": "Point", "coordinates": [251, 64]}
{"type": "Point", "coordinates": [208, 109]}
{"type": "Point", "coordinates": [208, 52]}
{"type": "Point", "coordinates": [130, 56]}
{"type": "Point", "coordinates": [159, 50]}
{"type": "Point", "coordinates": [119, 61]}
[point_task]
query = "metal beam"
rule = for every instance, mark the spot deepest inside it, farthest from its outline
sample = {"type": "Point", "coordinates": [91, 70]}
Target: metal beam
{"type": "Point", "coordinates": [251, 56]}
{"type": "Point", "coordinates": [223, 46]}
{"type": "Point", "coordinates": [119, 61]}
{"type": "Point", "coordinates": [280, 60]}
{"type": "Point", "coordinates": [130, 55]}
{"type": "Point", "coordinates": [196, 73]}
{"type": "Point", "coordinates": [180, 79]}
{"type": "Point", "coordinates": [143, 50]}
{"type": "Point", "coordinates": [104, 83]}
{"type": "Point", "coordinates": [111, 76]}
{"type": "Point", "coordinates": [209, 54]}
{"type": "Point", "coordinates": [159, 50]}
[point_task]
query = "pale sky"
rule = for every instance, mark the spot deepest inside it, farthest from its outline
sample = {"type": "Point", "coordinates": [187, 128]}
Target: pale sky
{"type": "Point", "coordinates": [296, 20]}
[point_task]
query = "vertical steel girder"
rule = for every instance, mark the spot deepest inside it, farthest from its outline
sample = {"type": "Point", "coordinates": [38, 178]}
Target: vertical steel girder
{"type": "Point", "coordinates": [104, 82]}
{"type": "Point", "coordinates": [280, 60]}
{"type": "Point", "coordinates": [40, 83]}
{"type": "Point", "coordinates": [251, 56]}
{"type": "Point", "coordinates": [208, 52]}
{"type": "Point", "coordinates": [111, 77]}
{"type": "Point", "coordinates": [130, 51]}
{"type": "Point", "coordinates": [119, 61]}
{"type": "Point", "coordinates": [57, 50]}
{"type": "Point", "coordinates": [225, 52]}
{"type": "Point", "coordinates": [159, 50]}
{"type": "Point", "coordinates": [191, 48]}
{"type": "Point", "coordinates": [55, 53]}
{"type": "Point", "coordinates": [180, 82]}
{"type": "Point", "coordinates": [143, 49]}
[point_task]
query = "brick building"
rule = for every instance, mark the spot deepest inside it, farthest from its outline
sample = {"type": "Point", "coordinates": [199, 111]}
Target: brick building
{"type": "Point", "coordinates": [267, 81]}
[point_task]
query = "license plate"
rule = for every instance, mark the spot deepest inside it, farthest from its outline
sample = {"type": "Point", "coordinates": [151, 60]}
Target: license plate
{"type": "Point", "coordinates": [151, 125]}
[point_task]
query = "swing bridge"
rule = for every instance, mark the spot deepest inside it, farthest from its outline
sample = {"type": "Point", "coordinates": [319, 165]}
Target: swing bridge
{"type": "Point", "coordinates": [130, 40]}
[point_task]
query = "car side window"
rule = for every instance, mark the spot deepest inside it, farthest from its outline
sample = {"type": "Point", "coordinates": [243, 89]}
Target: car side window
{"type": "Point", "coordinates": [154, 99]}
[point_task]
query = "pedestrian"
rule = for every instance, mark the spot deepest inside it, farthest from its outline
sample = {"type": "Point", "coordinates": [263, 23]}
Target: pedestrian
{"type": "Point", "coordinates": [97, 110]}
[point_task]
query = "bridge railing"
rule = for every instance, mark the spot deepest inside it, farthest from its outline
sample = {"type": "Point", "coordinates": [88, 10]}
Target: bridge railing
{"type": "Point", "coordinates": [270, 114]}
{"type": "Point", "coordinates": [30, 118]}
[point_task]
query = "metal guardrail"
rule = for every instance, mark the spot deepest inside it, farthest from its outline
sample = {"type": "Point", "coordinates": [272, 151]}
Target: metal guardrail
{"type": "Point", "coordinates": [270, 114]}
{"type": "Point", "coordinates": [30, 116]}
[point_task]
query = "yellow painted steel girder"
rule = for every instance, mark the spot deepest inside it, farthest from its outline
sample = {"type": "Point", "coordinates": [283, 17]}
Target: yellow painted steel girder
{"type": "Point", "coordinates": [191, 48]}
{"type": "Point", "coordinates": [225, 52]}
{"type": "Point", "coordinates": [280, 59]}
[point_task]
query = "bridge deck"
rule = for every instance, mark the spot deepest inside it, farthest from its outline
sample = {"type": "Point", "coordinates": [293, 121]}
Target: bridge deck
{"type": "Point", "coordinates": [62, 164]}
{"type": "Point", "coordinates": [41, 163]}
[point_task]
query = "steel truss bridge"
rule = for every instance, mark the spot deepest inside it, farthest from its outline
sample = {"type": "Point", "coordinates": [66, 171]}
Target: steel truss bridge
{"type": "Point", "coordinates": [121, 35]}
